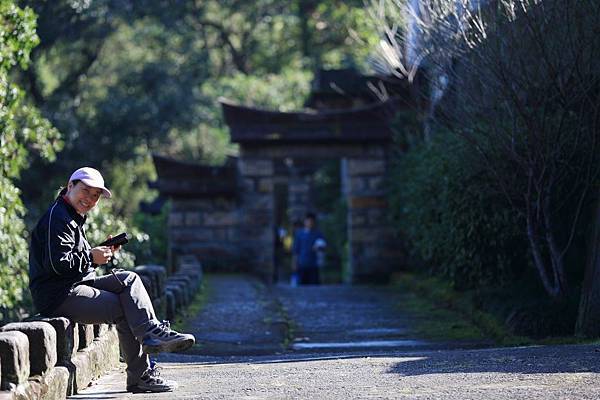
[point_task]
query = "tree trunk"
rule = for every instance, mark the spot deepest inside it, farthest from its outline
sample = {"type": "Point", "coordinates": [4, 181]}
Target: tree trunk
{"type": "Point", "coordinates": [551, 272]}
{"type": "Point", "coordinates": [588, 321]}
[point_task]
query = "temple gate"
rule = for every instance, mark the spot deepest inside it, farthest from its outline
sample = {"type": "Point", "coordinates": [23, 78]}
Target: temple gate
{"type": "Point", "coordinates": [228, 214]}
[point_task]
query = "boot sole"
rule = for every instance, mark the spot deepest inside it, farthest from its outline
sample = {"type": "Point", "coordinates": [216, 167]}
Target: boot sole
{"type": "Point", "coordinates": [169, 347]}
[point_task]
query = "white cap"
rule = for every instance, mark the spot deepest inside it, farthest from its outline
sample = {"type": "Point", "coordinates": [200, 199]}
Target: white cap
{"type": "Point", "coordinates": [91, 177]}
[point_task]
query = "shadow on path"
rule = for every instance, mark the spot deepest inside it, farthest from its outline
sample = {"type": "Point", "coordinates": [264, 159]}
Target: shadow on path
{"type": "Point", "coordinates": [515, 360]}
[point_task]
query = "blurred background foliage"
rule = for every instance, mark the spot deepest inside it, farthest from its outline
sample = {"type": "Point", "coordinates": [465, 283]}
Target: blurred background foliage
{"type": "Point", "coordinates": [24, 133]}
{"type": "Point", "coordinates": [106, 83]}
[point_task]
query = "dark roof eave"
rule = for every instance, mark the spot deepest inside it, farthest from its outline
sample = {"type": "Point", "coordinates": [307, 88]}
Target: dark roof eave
{"type": "Point", "coordinates": [231, 109]}
{"type": "Point", "coordinates": [168, 168]}
{"type": "Point", "coordinates": [362, 124]}
{"type": "Point", "coordinates": [191, 189]}
{"type": "Point", "coordinates": [243, 136]}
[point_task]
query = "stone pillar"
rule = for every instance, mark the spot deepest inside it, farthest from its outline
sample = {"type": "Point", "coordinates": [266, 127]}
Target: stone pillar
{"type": "Point", "coordinates": [369, 234]}
{"type": "Point", "coordinates": [298, 198]}
{"type": "Point", "coordinates": [42, 344]}
{"type": "Point", "coordinates": [14, 352]}
{"type": "Point", "coordinates": [257, 230]}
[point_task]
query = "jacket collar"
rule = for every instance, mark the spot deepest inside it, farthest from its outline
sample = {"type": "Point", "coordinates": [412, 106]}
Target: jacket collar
{"type": "Point", "coordinates": [80, 219]}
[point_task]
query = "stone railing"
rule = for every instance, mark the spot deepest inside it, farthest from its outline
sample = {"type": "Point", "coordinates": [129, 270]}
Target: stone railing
{"type": "Point", "coordinates": [51, 358]}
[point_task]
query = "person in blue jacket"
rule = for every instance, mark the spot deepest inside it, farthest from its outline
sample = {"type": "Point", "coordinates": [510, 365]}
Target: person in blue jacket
{"type": "Point", "coordinates": [308, 242]}
{"type": "Point", "coordinates": [63, 283]}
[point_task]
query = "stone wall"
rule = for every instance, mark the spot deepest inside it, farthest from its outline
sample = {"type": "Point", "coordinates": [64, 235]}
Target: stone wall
{"type": "Point", "coordinates": [51, 358]}
{"type": "Point", "coordinates": [256, 229]}
{"type": "Point", "coordinates": [238, 232]}
{"type": "Point", "coordinates": [372, 248]}
{"type": "Point", "coordinates": [206, 228]}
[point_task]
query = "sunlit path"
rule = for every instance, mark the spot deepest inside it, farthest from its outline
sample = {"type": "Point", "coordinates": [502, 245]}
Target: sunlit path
{"type": "Point", "coordinates": [346, 342]}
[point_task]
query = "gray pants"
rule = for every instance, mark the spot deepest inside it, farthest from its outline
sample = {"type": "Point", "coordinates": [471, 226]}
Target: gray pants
{"type": "Point", "coordinates": [104, 300]}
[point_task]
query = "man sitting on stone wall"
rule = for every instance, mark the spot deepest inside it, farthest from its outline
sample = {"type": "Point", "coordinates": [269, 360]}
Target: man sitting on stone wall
{"type": "Point", "coordinates": [63, 282]}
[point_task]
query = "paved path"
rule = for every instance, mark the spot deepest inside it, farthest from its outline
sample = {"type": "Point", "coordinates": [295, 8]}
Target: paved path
{"type": "Point", "coordinates": [243, 327]}
{"type": "Point", "coordinates": [240, 317]}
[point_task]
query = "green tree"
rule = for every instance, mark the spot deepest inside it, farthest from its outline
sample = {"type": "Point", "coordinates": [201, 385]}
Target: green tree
{"type": "Point", "coordinates": [22, 132]}
{"type": "Point", "coordinates": [123, 78]}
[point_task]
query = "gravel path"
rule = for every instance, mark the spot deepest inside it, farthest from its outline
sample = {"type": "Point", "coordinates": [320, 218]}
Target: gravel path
{"type": "Point", "coordinates": [231, 363]}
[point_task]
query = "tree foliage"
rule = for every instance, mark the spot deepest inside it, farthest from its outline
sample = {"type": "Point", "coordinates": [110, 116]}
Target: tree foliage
{"type": "Point", "coordinates": [22, 131]}
{"type": "Point", "coordinates": [444, 205]}
{"type": "Point", "coordinates": [124, 78]}
{"type": "Point", "coordinates": [518, 80]}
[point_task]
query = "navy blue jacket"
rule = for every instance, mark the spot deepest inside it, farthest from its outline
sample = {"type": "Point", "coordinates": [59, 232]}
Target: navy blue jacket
{"type": "Point", "coordinates": [59, 256]}
{"type": "Point", "coordinates": [304, 241]}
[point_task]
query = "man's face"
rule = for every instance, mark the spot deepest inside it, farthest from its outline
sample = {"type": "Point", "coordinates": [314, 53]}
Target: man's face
{"type": "Point", "coordinates": [83, 197]}
{"type": "Point", "coordinates": [309, 223]}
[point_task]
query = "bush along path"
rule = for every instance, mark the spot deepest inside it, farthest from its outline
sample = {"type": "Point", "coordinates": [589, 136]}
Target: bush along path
{"type": "Point", "coordinates": [333, 342]}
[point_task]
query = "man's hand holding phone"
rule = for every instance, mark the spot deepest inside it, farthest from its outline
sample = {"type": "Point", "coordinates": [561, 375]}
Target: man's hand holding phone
{"type": "Point", "coordinates": [101, 254]}
{"type": "Point", "coordinates": [104, 252]}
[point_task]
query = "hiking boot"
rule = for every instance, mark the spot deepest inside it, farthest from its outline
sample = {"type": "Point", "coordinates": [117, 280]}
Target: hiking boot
{"type": "Point", "coordinates": [151, 381]}
{"type": "Point", "coordinates": [161, 338]}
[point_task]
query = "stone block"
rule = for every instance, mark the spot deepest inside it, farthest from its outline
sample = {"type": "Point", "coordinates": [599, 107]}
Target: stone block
{"type": "Point", "coordinates": [184, 205]}
{"type": "Point", "coordinates": [86, 335]}
{"type": "Point", "coordinates": [193, 219]}
{"type": "Point", "coordinates": [178, 293]}
{"type": "Point", "coordinates": [173, 293]}
{"type": "Point", "coordinates": [150, 288]}
{"type": "Point", "coordinates": [14, 353]}
{"type": "Point", "coordinates": [220, 218]}
{"type": "Point", "coordinates": [258, 201]}
{"type": "Point", "coordinates": [185, 290]}
{"type": "Point", "coordinates": [247, 185]}
{"type": "Point", "coordinates": [364, 235]}
{"type": "Point", "coordinates": [368, 202]}
{"type": "Point", "coordinates": [42, 344]}
{"type": "Point", "coordinates": [192, 271]}
{"type": "Point", "coordinates": [376, 183]}
{"type": "Point", "coordinates": [188, 259]}
{"type": "Point", "coordinates": [219, 235]}
{"type": "Point", "coordinates": [171, 308]}
{"type": "Point", "coordinates": [377, 216]}
{"type": "Point", "coordinates": [191, 283]}
{"type": "Point", "coordinates": [233, 234]}
{"type": "Point", "coordinates": [175, 219]}
{"type": "Point", "coordinates": [67, 338]}
{"type": "Point", "coordinates": [357, 184]}
{"type": "Point", "coordinates": [255, 167]}
{"type": "Point", "coordinates": [55, 384]}
{"type": "Point", "coordinates": [297, 187]}
{"type": "Point", "coordinates": [298, 198]}
{"type": "Point", "coordinates": [190, 235]}
{"type": "Point", "coordinates": [357, 166]}
{"type": "Point", "coordinates": [357, 219]}
{"type": "Point", "coordinates": [183, 281]}
{"type": "Point", "coordinates": [258, 219]}
{"type": "Point", "coordinates": [159, 304]}
{"type": "Point", "coordinates": [95, 360]}
{"type": "Point", "coordinates": [265, 185]}
{"type": "Point", "coordinates": [158, 275]}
